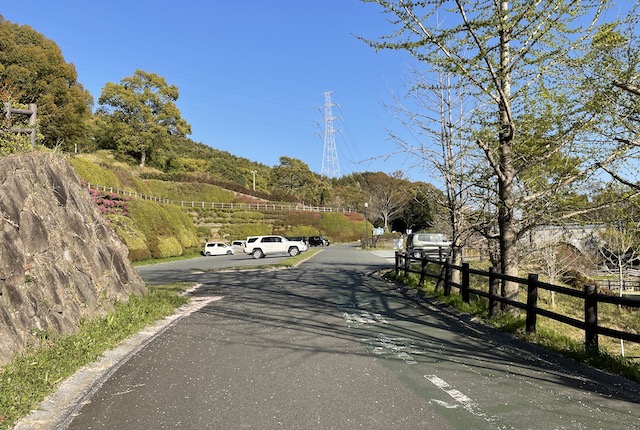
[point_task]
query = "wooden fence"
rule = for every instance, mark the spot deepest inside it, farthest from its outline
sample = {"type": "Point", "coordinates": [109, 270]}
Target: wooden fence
{"type": "Point", "coordinates": [266, 206]}
{"type": "Point", "coordinates": [589, 295]}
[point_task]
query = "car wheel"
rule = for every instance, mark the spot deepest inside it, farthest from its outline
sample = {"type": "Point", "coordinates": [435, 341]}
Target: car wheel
{"type": "Point", "coordinates": [293, 251]}
{"type": "Point", "coordinates": [257, 253]}
{"type": "Point", "coordinates": [207, 254]}
{"type": "Point", "coordinates": [229, 253]}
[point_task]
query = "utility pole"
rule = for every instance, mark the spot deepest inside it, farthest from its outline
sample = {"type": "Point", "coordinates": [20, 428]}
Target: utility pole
{"type": "Point", "coordinates": [254, 179]}
{"type": "Point", "coordinates": [330, 166]}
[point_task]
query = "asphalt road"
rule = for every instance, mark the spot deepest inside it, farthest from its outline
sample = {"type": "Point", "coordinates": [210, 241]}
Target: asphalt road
{"type": "Point", "coordinates": [328, 346]}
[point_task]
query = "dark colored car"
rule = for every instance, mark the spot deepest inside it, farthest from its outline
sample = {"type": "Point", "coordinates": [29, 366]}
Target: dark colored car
{"type": "Point", "coordinates": [298, 238]}
{"type": "Point", "coordinates": [319, 241]}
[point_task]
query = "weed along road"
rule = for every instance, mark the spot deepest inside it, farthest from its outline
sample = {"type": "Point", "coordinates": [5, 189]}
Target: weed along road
{"type": "Point", "coordinates": [327, 346]}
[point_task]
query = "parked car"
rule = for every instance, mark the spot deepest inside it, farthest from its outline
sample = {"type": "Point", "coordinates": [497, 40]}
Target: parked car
{"type": "Point", "coordinates": [260, 246]}
{"type": "Point", "coordinates": [319, 241]}
{"type": "Point", "coordinates": [238, 245]}
{"type": "Point", "coordinates": [299, 238]}
{"type": "Point", "coordinates": [427, 244]}
{"type": "Point", "coordinates": [217, 248]}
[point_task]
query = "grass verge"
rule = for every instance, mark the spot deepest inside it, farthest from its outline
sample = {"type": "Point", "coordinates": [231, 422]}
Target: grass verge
{"type": "Point", "coordinates": [30, 377]}
{"type": "Point", "coordinates": [188, 254]}
{"type": "Point", "coordinates": [546, 336]}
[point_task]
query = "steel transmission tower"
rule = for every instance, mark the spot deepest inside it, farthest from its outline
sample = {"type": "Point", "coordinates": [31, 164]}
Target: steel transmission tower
{"type": "Point", "coordinates": [330, 166]}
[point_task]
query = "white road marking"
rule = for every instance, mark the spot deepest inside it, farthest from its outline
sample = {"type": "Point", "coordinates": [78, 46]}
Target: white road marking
{"type": "Point", "coordinates": [459, 397]}
{"type": "Point", "coordinates": [400, 347]}
{"type": "Point", "coordinates": [363, 318]}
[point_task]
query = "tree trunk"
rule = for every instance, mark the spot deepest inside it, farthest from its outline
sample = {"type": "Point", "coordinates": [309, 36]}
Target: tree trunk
{"type": "Point", "coordinates": [506, 221]}
{"type": "Point", "coordinates": [143, 158]}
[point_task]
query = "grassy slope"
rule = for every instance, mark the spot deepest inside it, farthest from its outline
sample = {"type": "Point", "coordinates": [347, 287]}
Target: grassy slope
{"type": "Point", "coordinates": [152, 229]}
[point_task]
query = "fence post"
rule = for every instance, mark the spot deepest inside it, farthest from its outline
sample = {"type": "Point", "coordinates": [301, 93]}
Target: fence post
{"type": "Point", "coordinates": [423, 269]}
{"type": "Point", "coordinates": [407, 263]}
{"type": "Point", "coordinates": [532, 303]}
{"type": "Point", "coordinates": [397, 263]}
{"type": "Point", "coordinates": [447, 277]}
{"type": "Point", "coordinates": [591, 318]}
{"type": "Point", "coordinates": [494, 290]}
{"type": "Point", "coordinates": [464, 290]}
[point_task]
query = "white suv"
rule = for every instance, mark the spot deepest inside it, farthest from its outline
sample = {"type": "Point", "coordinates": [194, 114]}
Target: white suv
{"type": "Point", "coordinates": [260, 246]}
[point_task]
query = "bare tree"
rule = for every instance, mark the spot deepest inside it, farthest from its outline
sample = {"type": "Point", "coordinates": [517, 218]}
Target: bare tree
{"type": "Point", "coordinates": [388, 195]}
{"type": "Point", "coordinates": [434, 113]}
{"type": "Point", "coordinates": [553, 255]}
{"type": "Point", "coordinates": [532, 123]}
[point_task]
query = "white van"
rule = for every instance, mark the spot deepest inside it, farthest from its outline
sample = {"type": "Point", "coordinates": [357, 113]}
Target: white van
{"type": "Point", "coordinates": [428, 245]}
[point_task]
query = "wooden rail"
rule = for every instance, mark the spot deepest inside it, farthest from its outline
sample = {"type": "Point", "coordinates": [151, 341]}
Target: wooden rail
{"type": "Point", "coordinates": [589, 295]}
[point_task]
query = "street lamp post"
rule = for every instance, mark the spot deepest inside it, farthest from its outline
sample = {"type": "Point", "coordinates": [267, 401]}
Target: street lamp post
{"type": "Point", "coordinates": [366, 229]}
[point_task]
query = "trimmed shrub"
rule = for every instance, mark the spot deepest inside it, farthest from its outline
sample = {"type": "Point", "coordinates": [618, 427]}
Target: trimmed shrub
{"type": "Point", "coordinates": [132, 237]}
{"type": "Point", "coordinates": [339, 228]}
{"type": "Point", "coordinates": [247, 215]}
{"type": "Point", "coordinates": [301, 230]}
{"type": "Point", "coordinates": [93, 173]}
{"type": "Point", "coordinates": [302, 218]}
{"type": "Point", "coordinates": [241, 231]}
{"type": "Point", "coordinates": [190, 192]}
{"type": "Point", "coordinates": [160, 222]}
{"type": "Point", "coordinates": [167, 247]}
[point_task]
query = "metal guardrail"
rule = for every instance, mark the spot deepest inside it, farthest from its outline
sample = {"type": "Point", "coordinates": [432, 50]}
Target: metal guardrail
{"type": "Point", "coordinates": [589, 295]}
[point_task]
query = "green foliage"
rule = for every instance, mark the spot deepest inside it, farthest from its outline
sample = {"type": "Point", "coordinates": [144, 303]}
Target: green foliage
{"type": "Point", "coordinates": [242, 231]}
{"type": "Point", "coordinates": [168, 229]}
{"type": "Point", "coordinates": [167, 247]}
{"type": "Point", "coordinates": [248, 215]}
{"type": "Point", "coordinates": [182, 228]}
{"type": "Point", "coordinates": [301, 230]}
{"type": "Point", "coordinates": [26, 381]}
{"type": "Point", "coordinates": [141, 115]}
{"type": "Point", "coordinates": [294, 177]}
{"type": "Point", "coordinates": [92, 173]}
{"type": "Point", "coordinates": [189, 192]}
{"type": "Point", "coordinates": [13, 143]}
{"type": "Point", "coordinates": [339, 228]}
{"type": "Point", "coordinates": [549, 334]}
{"type": "Point", "coordinates": [33, 70]}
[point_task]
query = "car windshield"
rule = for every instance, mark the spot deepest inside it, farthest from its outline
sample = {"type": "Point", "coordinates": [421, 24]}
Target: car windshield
{"type": "Point", "coordinates": [432, 238]}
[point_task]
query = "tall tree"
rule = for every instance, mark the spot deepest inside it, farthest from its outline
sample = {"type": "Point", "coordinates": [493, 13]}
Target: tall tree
{"type": "Point", "coordinates": [388, 195]}
{"type": "Point", "coordinates": [141, 114]}
{"type": "Point", "coordinates": [615, 92]}
{"type": "Point", "coordinates": [523, 62]}
{"type": "Point", "coordinates": [33, 70]}
{"type": "Point", "coordinates": [294, 177]}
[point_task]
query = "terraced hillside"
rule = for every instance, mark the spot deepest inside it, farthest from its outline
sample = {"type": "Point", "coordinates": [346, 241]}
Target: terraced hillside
{"type": "Point", "coordinates": [230, 224]}
{"type": "Point", "coordinates": [157, 218]}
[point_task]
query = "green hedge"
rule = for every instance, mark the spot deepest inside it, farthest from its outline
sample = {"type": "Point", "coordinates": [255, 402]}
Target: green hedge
{"type": "Point", "coordinates": [340, 228]}
{"type": "Point", "coordinates": [94, 174]}
{"type": "Point", "coordinates": [132, 237]}
{"type": "Point", "coordinates": [168, 230]}
{"type": "Point", "coordinates": [242, 231]}
{"type": "Point", "coordinates": [190, 191]}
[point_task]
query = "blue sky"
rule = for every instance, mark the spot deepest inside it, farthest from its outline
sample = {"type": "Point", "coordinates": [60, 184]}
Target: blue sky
{"type": "Point", "coordinates": [251, 73]}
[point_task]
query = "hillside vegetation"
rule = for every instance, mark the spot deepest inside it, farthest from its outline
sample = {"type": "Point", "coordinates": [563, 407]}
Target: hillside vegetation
{"type": "Point", "coordinates": [151, 228]}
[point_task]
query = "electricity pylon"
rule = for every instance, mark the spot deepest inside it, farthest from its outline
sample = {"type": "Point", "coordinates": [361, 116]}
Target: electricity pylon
{"type": "Point", "coordinates": [330, 165]}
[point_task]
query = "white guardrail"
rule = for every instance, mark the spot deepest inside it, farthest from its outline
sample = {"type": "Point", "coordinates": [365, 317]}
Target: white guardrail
{"type": "Point", "coordinates": [274, 206]}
